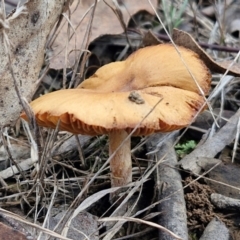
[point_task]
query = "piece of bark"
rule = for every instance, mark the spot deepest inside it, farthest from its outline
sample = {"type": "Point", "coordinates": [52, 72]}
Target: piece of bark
{"type": "Point", "coordinates": [206, 163]}
{"type": "Point", "coordinates": [224, 202]}
{"type": "Point", "coordinates": [22, 48]}
{"type": "Point", "coordinates": [212, 146]}
{"type": "Point", "coordinates": [169, 180]}
{"type": "Point", "coordinates": [216, 230]}
{"type": "Point", "coordinates": [224, 179]}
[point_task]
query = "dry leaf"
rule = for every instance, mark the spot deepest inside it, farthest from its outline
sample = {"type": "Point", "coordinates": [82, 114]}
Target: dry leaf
{"type": "Point", "coordinates": [27, 33]}
{"type": "Point", "coordinates": [105, 21]}
{"type": "Point", "coordinates": [149, 39]}
{"type": "Point", "coordinates": [10, 233]}
{"type": "Point", "coordinates": [184, 39]}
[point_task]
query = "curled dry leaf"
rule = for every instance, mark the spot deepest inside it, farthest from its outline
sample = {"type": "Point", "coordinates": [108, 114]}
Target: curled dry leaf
{"type": "Point", "coordinates": [184, 39]}
{"type": "Point", "coordinates": [27, 34]}
{"type": "Point", "coordinates": [105, 21]}
{"type": "Point", "coordinates": [7, 233]}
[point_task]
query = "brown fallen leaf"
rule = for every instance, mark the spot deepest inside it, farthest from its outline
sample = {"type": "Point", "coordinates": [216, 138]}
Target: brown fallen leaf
{"type": "Point", "coordinates": [105, 21]}
{"type": "Point", "coordinates": [184, 39]}
{"type": "Point", "coordinates": [9, 233]}
{"type": "Point", "coordinates": [27, 30]}
{"type": "Point", "coordinates": [149, 39]}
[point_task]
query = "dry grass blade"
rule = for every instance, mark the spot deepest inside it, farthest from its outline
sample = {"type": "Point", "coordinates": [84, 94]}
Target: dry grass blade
{"type": "Point", "coordinates": [138, 220]}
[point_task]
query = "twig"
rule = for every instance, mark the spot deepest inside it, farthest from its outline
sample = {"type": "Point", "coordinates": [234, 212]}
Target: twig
{"type": "Point", "coordinates": [168, 181]}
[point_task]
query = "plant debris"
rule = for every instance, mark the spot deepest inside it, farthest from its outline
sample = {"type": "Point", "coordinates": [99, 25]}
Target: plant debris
{"type": "Point", "coordinates": [200, 210]}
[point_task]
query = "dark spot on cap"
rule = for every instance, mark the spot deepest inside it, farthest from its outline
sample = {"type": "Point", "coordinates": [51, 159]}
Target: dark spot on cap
{"type": "Point", "coordinates": [6, 88]}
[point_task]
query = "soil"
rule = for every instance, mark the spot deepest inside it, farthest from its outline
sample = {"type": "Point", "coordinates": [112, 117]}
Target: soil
{"type": "Point", "coordinates": [200, 210]}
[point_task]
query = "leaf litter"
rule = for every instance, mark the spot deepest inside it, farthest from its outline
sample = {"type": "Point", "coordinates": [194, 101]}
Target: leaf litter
{"type": "Point", "coordinates": [61, 172]}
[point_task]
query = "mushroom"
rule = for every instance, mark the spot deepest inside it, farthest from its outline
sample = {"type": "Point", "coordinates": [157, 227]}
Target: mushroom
{"type": "Point", "coordinates": [151, 82]}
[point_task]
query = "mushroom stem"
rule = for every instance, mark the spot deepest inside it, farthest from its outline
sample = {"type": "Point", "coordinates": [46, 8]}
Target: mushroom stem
{"type": "Point", "coordinates": [121, 164]}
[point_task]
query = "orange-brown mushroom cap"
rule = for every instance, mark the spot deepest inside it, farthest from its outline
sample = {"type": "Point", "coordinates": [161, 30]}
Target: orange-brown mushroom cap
{"type": "Point", "coordinates": [120, 95]}
{"type": "Point", "coordinates": [83, 111]}
{"type": "Point", "coordinates": [152, 66]}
